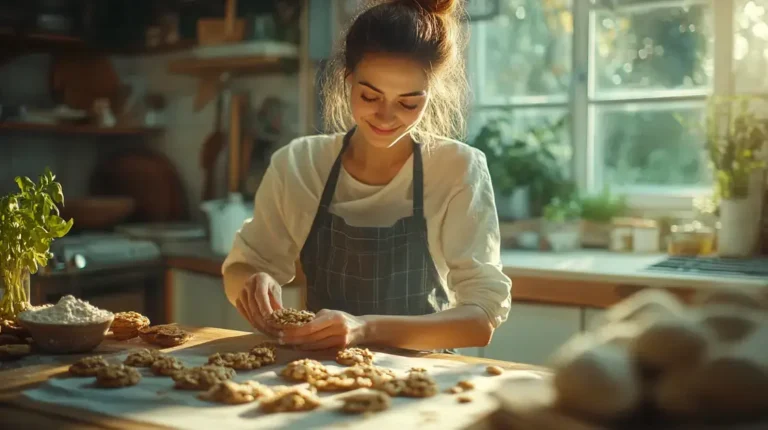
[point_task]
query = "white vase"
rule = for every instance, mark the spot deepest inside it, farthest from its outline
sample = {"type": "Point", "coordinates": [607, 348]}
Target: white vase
{"type": "Point", "coordinates": [738, 236]}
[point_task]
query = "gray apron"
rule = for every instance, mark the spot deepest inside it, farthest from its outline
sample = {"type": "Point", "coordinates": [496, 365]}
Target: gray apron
{"type": "Point", "coordinates": [372, 270]}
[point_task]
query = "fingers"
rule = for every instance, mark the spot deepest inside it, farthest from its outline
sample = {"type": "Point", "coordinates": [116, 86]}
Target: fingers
{"type": "Point", "coordinates": [321, 322]}
{"type": "Point", "coordinates": [243, 311]}
{"type": "Point", "coordinates": [290, 338]}
{"type": "Point", "coordinates": [335, 341]}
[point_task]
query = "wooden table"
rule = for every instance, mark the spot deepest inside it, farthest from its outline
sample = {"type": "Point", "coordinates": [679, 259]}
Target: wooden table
{"type": "Point", "coordinates": [18, 412]}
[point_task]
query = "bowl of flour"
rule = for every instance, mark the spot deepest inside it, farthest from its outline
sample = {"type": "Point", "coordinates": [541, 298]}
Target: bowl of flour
{"type": "Point", "coordinates": [70, 326]}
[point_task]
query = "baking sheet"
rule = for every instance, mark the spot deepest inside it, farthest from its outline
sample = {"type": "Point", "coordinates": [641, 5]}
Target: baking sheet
{"type": "Point", "coordinates": [155, 401]}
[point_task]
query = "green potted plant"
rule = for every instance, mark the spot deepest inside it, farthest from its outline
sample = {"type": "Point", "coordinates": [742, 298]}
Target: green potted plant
{"type": "Point", "coordinates": [561, 224]}
{"type": "Point", "coordinates": [527, 170]}
{"type": "Point", "coordinates": [29, 221]}
{"type": "Point", "coordinates": [597, 211]}
{"type": "Point", "coordinates": [736, 137]}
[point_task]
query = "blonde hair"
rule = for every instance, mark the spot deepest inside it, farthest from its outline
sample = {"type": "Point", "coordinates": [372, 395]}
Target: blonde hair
{"type": "Point", "coordinates": [428, 31]}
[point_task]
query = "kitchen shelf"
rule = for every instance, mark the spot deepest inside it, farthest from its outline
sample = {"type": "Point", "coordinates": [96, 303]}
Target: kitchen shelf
{"type": "Point", "coordinates": [235, 65]}
{"type": "Point", "coordinates": [72, 129]}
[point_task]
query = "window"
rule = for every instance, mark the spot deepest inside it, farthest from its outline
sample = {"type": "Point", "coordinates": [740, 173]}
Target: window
{"type": "Point", "coordinates": [629, 74]}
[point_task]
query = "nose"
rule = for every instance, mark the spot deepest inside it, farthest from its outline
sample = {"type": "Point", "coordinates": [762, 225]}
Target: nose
{"type": "Point", "coordinates": [385, 113]}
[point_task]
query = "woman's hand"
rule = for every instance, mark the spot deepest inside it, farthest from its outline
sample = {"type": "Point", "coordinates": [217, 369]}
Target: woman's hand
{"type": "Point", "coordinates": [329, 329]}
{"type": "Point", "coordinates": [260, 296]}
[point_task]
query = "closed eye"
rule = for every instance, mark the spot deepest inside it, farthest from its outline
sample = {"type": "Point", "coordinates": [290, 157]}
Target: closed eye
{"type": "Point", "coordinates": [366, 99]}
{"type": "Point", "coordinates": [409, 107]}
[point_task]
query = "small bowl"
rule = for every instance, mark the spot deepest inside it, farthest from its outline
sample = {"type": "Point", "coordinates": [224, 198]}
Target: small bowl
{"type": "Point", "coordinates": [67, 338]}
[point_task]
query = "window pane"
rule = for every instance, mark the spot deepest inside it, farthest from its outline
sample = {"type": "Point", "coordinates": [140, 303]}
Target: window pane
{"type": "Point", "coordinates": [649, 47]}
{"type": "Point", "coordinates": [750, 46]}
{"type": "Point", "coordinates": [527, 51]}
{"type": "Point", "coordinates": [652, 145]}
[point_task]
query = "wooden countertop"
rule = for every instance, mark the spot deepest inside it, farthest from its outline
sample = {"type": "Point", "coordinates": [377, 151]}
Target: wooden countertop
{"type": "Point", "coordinates": [19, 412]}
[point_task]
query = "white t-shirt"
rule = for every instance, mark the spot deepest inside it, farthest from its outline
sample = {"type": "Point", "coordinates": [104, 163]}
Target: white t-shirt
{"type": "Point", "coordinates": [462, 224]}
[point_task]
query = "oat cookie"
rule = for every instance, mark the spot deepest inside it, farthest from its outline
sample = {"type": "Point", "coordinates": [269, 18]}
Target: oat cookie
{"type": "Point", "coordinates": [494, 370]}
{"type": "Point", "coordinates": [353, 356]}
{"type": "Point", "coordinates": [235, 360]}
{"type": "Point", "coordinates": [454, 390]}
{"type": "Point", "coordinates": [393, 387]}
{"type": "Point", "coordinates": [166, 335]}
{"type": "Point", "coordinates": [289, 318]}
{"type": "Point", "coordinates": [88, 366]}
{"type": "Point", "coordinates": [117, 376]}
{"type": "Point", "coordinates": [304, 370]}
{"type": "Point", "coordinates": [166, 366]}
{"type": "Point", "coordinates": [374, 373]}
{"type": "Point", "coordinates": [14, 328]}
{"type": "Point", "coordinates": [14, 352]}
{"type": "Point", "coordinates": [143, 358]}
{"type": "Point", "coordinates": [127, 325]}
{"type": "Point", "coordinates": [419, 385]}
{"type": "Point", "coordinates": [417, 370]}
{"type": "Point", "coordinates": [341, 383]}
{"type": "Point", "coordinates": [375, 401]}
{"type": "Point", "coordinates": [232, 393]}
{"type": "Point", "coordinates": [202, 378]}
{"type": "Point", "coordinates": [266, 355]}
{"type": "Point", "coordinates": [268, 345]}
{"type": "Point", "coordinates": [290, 399]}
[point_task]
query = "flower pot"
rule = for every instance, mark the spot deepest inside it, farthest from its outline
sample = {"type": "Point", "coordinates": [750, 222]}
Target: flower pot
{"type": "Point", "coordinates": [596, 234]}
{"type": "Point", "coordinates": [514, 206]}
{"type": "Point", "coordinates": [738, 236]}
{"type": "Point", "coordinates": [562, 236]}
{"type": "Point", "coordinates": [24, 288]}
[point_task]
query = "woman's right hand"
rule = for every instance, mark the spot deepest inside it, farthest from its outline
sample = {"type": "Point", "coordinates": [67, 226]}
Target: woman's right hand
{"type": "Point", "coordinates": [261, 295]}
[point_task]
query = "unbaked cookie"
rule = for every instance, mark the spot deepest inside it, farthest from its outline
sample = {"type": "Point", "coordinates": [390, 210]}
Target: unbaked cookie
{"type": "Point", "coordinates": [14, 352]}
{"type": "Point", "coordinates": [202, 378]}
{"type": "Point", "coordinates": [235, 360]}
{"type": "Point", "coordinates": [393, 387]}
{"type": "Point", "coordinates": [290, 399]}
{"type": "Point", "coordinates": [88, 366]}
{"type": "Point", "coordinates": [341, 383]}
{"type": "Point", "coordinates": [143, 358]}
{"type": "Point", "coordinates": [166, 335]}
{"type": "Point", "coordinates": [117, 376]}
{"type": "Point", "coordinates": [374, 373]}
{"type": "Point", "coordinates": [353, 356]}
{"type": "Point", "coordinates": [289, 318]}
{"type": "Point", "coordinates": [268, 345]}
{"type": "Point", "coordinates": [166, 366]}
{"type": "Point", "coordinates": [127, 325]}
{"type": "Point", "coordinates": [305, 370]}
{"type": "Point", "coordinates": [375, 401]}
{"type": "Point", "coordinates": [232, 393]}
{"type": "Point", "coordinates": [419, 385]}
{"type": "Point", "coordinates": [266, 355]}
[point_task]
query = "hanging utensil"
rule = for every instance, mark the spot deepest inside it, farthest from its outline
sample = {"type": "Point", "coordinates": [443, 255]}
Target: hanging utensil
{"type": "Point", "coordinates": [209, 153]}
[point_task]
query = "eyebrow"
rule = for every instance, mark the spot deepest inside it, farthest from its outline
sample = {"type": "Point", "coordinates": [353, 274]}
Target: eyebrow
{"type": "Point", "coordinates": [411, 94]}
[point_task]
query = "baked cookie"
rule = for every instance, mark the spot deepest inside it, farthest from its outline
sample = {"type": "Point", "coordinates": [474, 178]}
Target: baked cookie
{"type": "Point", "coordinates": [304, 370]}
{"type": "Point", "coordinates": [268, 345]}
{"type": "Point", "coordinates": [374, 373]}
{"type": "Point", "coordinates": [127, 325]}
{"type": "Point", "coordinates": [419, 385]}
{"type": "Point", "coordinates": [232, 393]}
{"type": "Point", "coordinates": [117, 376]}
{"type": "Point", "coordinates": [166, 335]}
{"type": "Point", "coordinates": [417, 370]}
{"type": "Point", "coordinates": [353, 356]}
{"type": "Point", "coordinates": [202, 378]}
{"type": "Point", "coordinates": [143, 358]}
{"type": "Point", "coordinates": [87, 366]}
{"type": "Point", "coordinates": [290, 399]}
{"type": "Point", "coordinates": [235, 360]}
{"type": "Point", "coordinates": [360, 403]}
{"type": "Point", "coordinates": [289, 318]}
{"type": "Point", "coordinates": [166, 366]}
{"type": "Point", "coordinates": [14, 328]}
{"type": "Point", "coordinates": [14, 351]}
{"type": "Point", "coordinates": [266, 355]}
{"type": "Point", "coordinates": [393, 387]}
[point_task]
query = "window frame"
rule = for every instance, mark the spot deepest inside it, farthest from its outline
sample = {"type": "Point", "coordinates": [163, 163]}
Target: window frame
{"type": "Point", "coordinates": [587, 166]}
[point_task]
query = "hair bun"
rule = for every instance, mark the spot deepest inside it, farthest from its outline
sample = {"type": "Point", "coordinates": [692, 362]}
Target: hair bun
{"type": "Point", "coordinates": [436, 7]}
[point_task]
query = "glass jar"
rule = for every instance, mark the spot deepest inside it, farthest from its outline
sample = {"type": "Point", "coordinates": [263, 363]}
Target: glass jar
{"type": "Point", "coordinates": [691, 239]}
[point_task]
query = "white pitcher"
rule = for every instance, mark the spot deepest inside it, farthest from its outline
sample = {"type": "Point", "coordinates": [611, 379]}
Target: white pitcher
{"type": "Point", "coordinates": [225, 218]}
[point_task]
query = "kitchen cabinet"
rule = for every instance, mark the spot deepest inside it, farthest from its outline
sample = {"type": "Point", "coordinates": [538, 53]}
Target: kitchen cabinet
{"type": "Point", "coordinates": [590, 317]}
{"type": "Point", "coordinates": [533, 332]}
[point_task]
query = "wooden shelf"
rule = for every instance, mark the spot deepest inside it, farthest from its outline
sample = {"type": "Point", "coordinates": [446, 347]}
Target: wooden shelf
{"type": "Point", "coordinates": [70, 129]}
{"type": "Point", "coordinates": [236, 65]}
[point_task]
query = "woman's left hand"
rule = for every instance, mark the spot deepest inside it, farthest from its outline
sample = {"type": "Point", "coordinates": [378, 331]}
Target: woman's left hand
{"type": "Point", "coordinates": [329, 329]}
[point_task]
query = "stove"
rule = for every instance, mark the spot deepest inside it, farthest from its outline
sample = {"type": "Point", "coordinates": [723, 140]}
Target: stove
{"type": "Point", "coordinates": [752, 268]}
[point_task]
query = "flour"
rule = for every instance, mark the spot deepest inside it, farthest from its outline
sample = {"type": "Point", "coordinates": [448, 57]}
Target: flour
{"type": "Point", "coordinates": [69, 310]}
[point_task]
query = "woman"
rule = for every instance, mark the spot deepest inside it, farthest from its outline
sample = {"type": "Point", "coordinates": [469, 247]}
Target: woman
{"type": "Point", "coordinates": [395, 227]}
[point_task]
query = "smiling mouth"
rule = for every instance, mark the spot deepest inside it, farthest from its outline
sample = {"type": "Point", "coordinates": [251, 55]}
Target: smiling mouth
{"type": "Point", "coordinates": [382, 131]}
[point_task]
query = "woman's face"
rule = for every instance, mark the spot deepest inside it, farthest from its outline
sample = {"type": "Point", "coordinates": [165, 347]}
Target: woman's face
{"type": "Point", "coordinates": [388, 97]}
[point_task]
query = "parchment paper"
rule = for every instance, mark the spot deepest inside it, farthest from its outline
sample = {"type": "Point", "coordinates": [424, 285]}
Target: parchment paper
{"type": "Point", "coordinates": [155, 401]}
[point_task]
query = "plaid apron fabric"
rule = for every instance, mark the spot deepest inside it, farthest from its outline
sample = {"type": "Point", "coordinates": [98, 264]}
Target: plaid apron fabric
{"type": "Point", "coordinates": [371, 270]}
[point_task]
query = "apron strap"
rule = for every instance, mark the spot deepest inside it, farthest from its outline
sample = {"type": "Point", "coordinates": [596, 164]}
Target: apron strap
{"type": "Point", "coordinates": [333, 176]}
{"type": "Point", "coordinates": [418, 182]}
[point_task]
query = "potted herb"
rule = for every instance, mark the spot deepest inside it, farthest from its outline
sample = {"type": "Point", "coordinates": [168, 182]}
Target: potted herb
{"type": "Point", "coordinates": [29, 221]}
{"type": "Point", "coordinates": [561, 224]}
{"type": "Point", "coordinates": [597, 211]}
{"type": "Point", "coordinates": [527, 170]}
{"type": "Point", "coordinates": [736, 136]}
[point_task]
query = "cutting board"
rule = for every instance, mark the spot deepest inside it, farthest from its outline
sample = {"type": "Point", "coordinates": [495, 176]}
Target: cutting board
{"type": "Point", "coordinates": [155, 403]}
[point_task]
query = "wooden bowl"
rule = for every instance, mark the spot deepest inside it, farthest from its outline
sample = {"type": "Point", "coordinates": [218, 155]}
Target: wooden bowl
{"type": "Point", "coordinates": [67, 338]}
{"type": "Point", "coordinates": [98, 213]}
